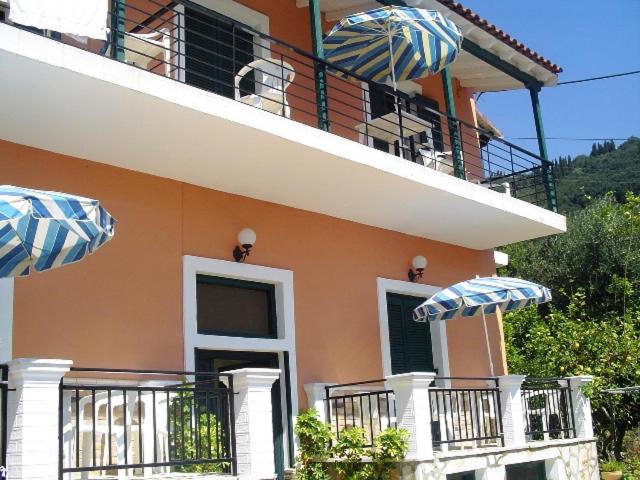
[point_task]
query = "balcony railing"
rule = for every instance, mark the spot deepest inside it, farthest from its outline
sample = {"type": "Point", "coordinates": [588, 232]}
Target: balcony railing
{"type": "Point", "coordinates": [145, 423]}
{"type": "Point", "coordinates": [466, 413]}
{"type": "Point", "coordinates": [368, 405]}
{"type": "Point", "coordinates": [4, 390]}
{"type": "Point", "coordinates": [547, 408]}
{"type": "Point", "coordinates": [192, 44]}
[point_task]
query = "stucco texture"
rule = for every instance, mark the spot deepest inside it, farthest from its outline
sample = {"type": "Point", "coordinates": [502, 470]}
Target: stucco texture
{"type": "Point", "coordinates": [122, 306]}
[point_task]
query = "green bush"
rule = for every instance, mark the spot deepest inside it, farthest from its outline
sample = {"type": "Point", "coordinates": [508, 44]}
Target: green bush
{"type": "Point", "coordinates": [353, 461]}
{"type": "Point", "coordinates": [348, 451]}
{"type": "Point", "coordinates": [315, 446]}
{"type": "Point", "coordinates": [389, 447]}
{"type": "Point", "coordinates": [207, 433]}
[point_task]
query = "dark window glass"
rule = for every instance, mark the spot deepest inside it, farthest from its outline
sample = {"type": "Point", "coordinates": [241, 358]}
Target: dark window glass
{"type": "Point", "coordinates": [215, 51]}
{"type": "Point", "coordinates": [461, 476]}
{"type": "Point", "coordinates": [233, 307]}
{"type": "Point", "coordinates": [526, 471]}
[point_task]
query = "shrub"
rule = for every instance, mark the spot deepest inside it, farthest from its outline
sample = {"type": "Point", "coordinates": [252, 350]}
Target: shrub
{"type": "Point", "coordinates": [348, 451]}
{"type": "Point", "coordinates": [315, 446]}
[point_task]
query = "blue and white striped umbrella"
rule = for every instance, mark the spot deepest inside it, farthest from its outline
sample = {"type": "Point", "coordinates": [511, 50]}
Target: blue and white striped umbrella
{"type": "Point", "coordinates": [393, 43]}
{"type": "Point", "coordinates": [481, 295]}
{"type": "Point", "coordinates": [43, 230]}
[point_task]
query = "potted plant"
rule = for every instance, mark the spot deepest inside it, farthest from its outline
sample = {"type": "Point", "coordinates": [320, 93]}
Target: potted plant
{"type": "Point", "coordinates": [611, 470]}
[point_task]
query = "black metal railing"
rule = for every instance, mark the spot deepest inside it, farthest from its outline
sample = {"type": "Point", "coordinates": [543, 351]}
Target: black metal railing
{"type": "Point", "coordinates": [547, 408]}
{"type": "Point", "coordinates": [187, 42]}
{"type": "Point", "coordinates": [145, 422]}
{"type": "Point", "coordinates": [466, 413]}
{"type": "Point", "coordinates": [4, 390]}
{"type": "Point", "coordinates": [368, 405]}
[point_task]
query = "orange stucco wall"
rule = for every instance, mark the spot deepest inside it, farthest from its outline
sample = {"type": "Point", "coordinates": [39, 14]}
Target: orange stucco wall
{"type": "Point", "coordinates": [122, 307]}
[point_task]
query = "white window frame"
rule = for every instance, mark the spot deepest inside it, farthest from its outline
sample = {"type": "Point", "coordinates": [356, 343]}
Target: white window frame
{"type": "Point", "coordinates": [282, 280]}
{"type": "Point", "coordinates": [6, 319]}
{"type": "Point", "coordinates": [438, 329]}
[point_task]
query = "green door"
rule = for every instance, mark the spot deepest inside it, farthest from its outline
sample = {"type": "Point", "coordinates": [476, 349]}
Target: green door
{"type": "Point", "coordinates": [218, 361]}
{"type": "Point", "coordinates": [409, 341]}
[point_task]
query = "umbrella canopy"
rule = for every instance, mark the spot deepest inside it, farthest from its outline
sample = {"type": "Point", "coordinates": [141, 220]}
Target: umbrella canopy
{"type": "Point", "coordinates": [43, 230]}
{"type": "Point", "coordinates": [481, 295]}
{"type": "Point", "coordinates": [393, 43]}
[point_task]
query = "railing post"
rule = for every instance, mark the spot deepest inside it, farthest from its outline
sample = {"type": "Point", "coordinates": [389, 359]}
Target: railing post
{"type": "Point", "coordinates": [319, 68]}
{"type": "Point", "coordinates": [253, 422]}
{"type": "Point", "coordinates": [513, 424]}
{"type": "Point", "coordinates": [33, 449]}
{"type": "Point", "coordinates": [117, 29]}
{"type": "Point", "coordinates": [316, 394]}
{"type": "Point", "coordinates": [547, 168]}
{"type": "Point", "coordinates": [581, 404]}
{"type": "Point", "coordinates": [413, 411]}
{"type": "Point", "coordinates": [454, 132]}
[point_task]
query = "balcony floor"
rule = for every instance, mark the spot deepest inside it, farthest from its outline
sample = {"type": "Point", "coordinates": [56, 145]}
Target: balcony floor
{"type": "Point", "coordinates": [60, 98]}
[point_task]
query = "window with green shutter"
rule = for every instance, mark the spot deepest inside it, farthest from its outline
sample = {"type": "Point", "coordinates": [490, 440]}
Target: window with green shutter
{"type": "Point", "coordinates": [409, 341]}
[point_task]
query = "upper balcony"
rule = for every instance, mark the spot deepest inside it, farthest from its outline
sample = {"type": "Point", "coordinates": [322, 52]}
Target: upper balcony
{"type": "Point", "coordinates": [169, 93]}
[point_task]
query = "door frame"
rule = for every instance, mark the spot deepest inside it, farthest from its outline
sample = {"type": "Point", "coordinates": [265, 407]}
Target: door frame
{"type": "Point", "coordinates": [284, 345]}
{"type": "Point", "coordinates": [438, 329]}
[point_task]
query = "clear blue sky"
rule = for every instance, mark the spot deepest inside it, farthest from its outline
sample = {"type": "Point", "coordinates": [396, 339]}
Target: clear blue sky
{"type": "Point", "coordinates": [587, 38]}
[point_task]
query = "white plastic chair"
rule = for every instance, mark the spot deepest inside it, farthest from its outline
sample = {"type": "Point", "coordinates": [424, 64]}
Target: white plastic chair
{"type": "Point", "coordinates": [118, 415]}
{"type": "Point", "coordinates": [272, 78]}
{"type": "Point", "coordinates": [142, 48]}
{"type": "Point", "coordinates": [439, 161]}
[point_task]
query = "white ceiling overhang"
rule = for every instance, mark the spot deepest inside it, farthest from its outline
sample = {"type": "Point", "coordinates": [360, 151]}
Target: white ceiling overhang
{"type": "Point", "coordinates": [470, 71]}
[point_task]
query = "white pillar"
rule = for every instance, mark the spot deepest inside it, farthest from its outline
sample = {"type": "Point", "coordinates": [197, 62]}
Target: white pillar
{"type": "Point", "coordinates": [492, 473]}
{"type": "Point", "coordinates": [513, 422]}
{"type": "Point", "coordinates": [253, 421]}
{"type": "Point", "coordinates": [581, 406]}
{"type": "Point", "coordinates": [6, 319]}
{"type": "Point", "coordinates": [32, 447]}
{"type": "Point", "coordinates": [413, 411]}
{"type": "Point", "coordinates": [316, 394]}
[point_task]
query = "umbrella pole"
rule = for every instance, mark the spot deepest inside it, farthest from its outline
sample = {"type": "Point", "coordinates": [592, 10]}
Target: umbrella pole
{"type": "Point", "coordinates": [395, 91]}
{"type": "Point", "coordinates": [486, 337]}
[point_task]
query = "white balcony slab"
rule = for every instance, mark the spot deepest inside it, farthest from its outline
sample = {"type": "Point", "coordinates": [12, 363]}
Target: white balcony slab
{"type": "Point", "coordinates": [66, 100]}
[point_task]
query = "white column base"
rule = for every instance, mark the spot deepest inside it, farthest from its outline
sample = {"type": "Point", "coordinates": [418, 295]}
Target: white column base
{"type": "Point", "coordinates": [254, 424]}
{"type": "Point", "coordinates": [32, 447]}
{"type": "Point", "coordinates": [413, 411]}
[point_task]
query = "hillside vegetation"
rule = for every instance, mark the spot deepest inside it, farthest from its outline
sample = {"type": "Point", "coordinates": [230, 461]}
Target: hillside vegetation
{"type": "Point", "coordinates": [606, 169]}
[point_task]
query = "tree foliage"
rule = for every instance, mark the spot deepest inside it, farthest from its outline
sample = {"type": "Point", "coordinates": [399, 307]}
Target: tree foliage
{"type": "Point", "coordinates": [593, 325]}
{"type": "Point", "coordinates": [607, 169]}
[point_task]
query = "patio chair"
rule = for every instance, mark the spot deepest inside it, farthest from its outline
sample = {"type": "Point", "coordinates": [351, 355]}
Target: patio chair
{"type": "Point", "coordinates": [118, 414]}
{"type": "Point", "coordinates": [272, 78]}
{"type": "Point", "coordinates": [143, 48]}
{"type": "Point", "coordinates": [439, 161]}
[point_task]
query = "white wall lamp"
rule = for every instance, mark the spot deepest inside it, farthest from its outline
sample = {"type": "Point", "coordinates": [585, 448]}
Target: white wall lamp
{"type": "Point", "coordinates": [419, 263]}
{"type": "Point", "coordinates": [246, 239]}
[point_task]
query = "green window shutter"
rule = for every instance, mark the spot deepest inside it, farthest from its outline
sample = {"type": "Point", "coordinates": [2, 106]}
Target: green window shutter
{"type": "Point", "coordinates": [396, 336]}
{"type": "Point", "coordinates": [409, 341]}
